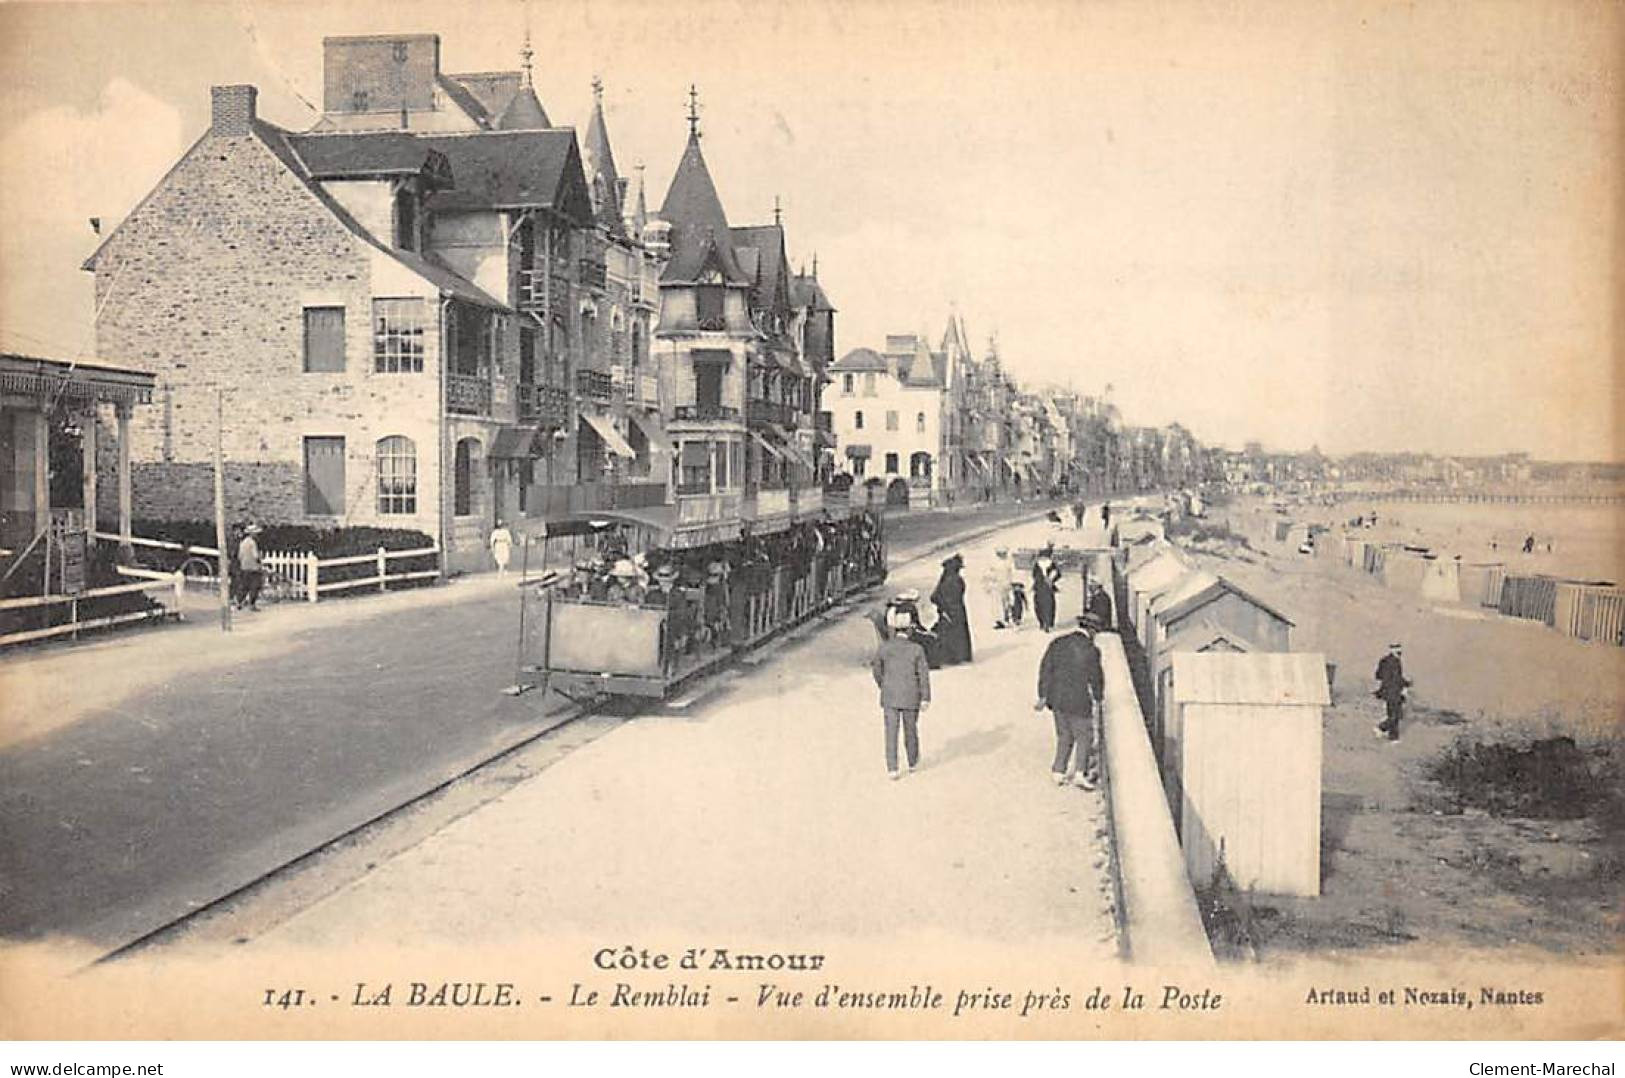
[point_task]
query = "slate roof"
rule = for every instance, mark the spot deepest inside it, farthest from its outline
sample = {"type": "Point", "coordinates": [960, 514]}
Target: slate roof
{"type": "Point", "coordinates": [859, 359]}
{"type": "Point", "coordinates": [805, 291]}
{"type": "Point", "coordinates": [353, 155]}
{"type": "Point", "coordinates": [514, 170]}
{"type": "Point", "coordinates": [699, 226]}
{"type": "Point", "coordinates": [768, 243]}
{"type": "Point", "coordinates": [523, 112]}
{"type": "Point", "coordinates": [488, 92]}
{"type": "Point", "coordinates": [1176, 607]}
{"type": "Point", "coordinates": [604, 181]}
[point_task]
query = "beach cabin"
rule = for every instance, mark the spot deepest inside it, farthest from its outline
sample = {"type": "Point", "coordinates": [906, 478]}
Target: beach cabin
{"type": "Point", "coordinates": [1403, 568]}
{"type": "Point", "coordinates": [1244, 753]}
{"type": "Point", "coordinates": [1441, 582]}
{"type": "Point", "coordinates": [1590, 611]}
{"type": "Point", "coordinates": [1195, 635]}
{"type": "Point", "coordinates": [1150, 578]}
{"type": "Point", "coordinates": [1227, 605]}
{"type": "Point", "coordinates": [1480, 583]}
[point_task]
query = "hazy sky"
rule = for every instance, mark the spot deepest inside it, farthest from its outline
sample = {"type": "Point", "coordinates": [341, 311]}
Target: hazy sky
{"type": "Point", "coordinates": [1363, 225]}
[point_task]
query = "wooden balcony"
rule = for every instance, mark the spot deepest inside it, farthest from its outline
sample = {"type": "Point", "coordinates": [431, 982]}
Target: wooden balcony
{"type": "Point", "coordinates": [595, 385]}
{"type": "Point", "coordinates": [705, 413]}
{"type": "Point", "coordinates": [548, 406]}
{"type": "Point", "coordinates": [468, 394]}
{"type": "Point", "coordinates": [708, 508]}
{"type": "Point", "coordinates": [760, 411]}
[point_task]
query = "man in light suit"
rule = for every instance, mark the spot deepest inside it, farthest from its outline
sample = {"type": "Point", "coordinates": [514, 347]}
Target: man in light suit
{"type": "Point", "coordinates": [904, 678]}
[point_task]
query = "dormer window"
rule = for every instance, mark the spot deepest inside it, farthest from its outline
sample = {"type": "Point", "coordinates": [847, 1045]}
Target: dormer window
{"type": "Point", "coordinates": [406, 219]}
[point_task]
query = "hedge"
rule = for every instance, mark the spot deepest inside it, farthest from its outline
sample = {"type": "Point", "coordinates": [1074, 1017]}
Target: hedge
{"type": "Point", "coordinates": [298, 539]}
{"type": "Point", "coordinates": [100, 572]}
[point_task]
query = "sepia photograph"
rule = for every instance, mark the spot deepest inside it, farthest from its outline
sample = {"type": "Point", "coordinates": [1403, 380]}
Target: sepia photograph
{"type": "Point", "coordinates": [812, 520]}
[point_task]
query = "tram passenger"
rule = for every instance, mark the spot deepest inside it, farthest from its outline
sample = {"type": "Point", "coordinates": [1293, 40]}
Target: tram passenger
{"type": "Point", "coordinates": [669, 595]}
{"type": "Point", "coordinates": [716, 630]}
{"type": "Point", "coordinates": [624, 586]}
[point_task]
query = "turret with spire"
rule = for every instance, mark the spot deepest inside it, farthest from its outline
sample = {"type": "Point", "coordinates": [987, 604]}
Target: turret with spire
{"type": "Point", "coordinates": [598, 161]}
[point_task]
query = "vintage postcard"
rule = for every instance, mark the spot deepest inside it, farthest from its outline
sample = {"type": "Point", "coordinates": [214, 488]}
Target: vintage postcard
{"type": "Point", "coordinates": [819, 520]}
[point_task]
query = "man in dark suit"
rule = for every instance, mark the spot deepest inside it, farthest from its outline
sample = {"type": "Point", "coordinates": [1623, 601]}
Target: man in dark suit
{"type": "Point", "coordinates": [1071, 684]}
{"type": "Point", "coordinates": [1100, 605]}
{"type": "Point", "coordinates": [1391, 686]}
{"type": "Point", "coordinates": [904, 679]}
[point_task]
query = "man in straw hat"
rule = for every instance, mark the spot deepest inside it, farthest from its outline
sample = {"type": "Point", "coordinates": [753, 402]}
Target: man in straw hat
{"type": "Point", "coordinates": [250, 571]}
{"type": "Point", "coordinates": [904, 678]}
{"type": "Point", "coordinates": [1072, 685]}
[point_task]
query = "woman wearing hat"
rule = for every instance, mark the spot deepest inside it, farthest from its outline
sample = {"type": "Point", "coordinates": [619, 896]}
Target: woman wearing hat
{"type": "Point", "coordinates": [952, 627]}
{"type": "Point", "coordinates": [1045, 576]}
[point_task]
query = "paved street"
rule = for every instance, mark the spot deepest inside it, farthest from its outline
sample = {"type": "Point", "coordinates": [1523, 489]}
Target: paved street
{"type": "Point", "coordinates": [146, 774]}
{"type": "Point", "coordinates": [765, 807]}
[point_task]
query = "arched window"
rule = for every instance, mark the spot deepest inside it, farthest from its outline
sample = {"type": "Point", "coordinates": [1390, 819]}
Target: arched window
{"type": "Point", "coordinates": [919, 423]}
{"type": "Point", "coordinates": [462, 489]}
{"type": "Point", "coordinates": [857, 420]}
{"type": "Point", "coordinates": [397, 476]}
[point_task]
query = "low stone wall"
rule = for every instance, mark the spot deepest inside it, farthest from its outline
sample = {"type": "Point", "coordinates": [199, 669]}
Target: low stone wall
{"type": "Point", "coordinates": [1160, 921]}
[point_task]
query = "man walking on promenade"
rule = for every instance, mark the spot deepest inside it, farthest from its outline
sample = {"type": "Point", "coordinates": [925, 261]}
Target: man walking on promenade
{"type": "Point", "coordinates": [904, 678]}
{"type": "Point", "coordinates": [1391, 686]}
{"type": "Point", "coordinates": [1072, 684]}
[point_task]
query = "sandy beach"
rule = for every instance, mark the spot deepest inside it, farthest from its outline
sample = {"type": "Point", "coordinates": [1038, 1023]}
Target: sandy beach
{"type": "Point", "coordinates": [1405, 863]}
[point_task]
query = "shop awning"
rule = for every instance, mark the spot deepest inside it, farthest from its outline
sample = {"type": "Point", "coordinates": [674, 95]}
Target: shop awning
{"type": "Point", "coordinates": [794, 452]}
{"type": "Point", "coordinates": [767, 446]}
{"type": "Point", "coordinates": [650, 426]}
{"type": "Point", "coordinates": [856, 451]}
{"type": "Point", "coordinates": [612, 437]}
{"type": "Point", "coordinates": [515, 443]}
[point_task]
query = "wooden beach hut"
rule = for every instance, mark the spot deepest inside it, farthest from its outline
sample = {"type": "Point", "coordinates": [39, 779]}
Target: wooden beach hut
{"type": "Point", "coordinates": [1195, 635]}
{"type": "Point", "coordinates": [1590, 611]}
{"type": "Point", "coordinates": [1244, 744]}
{"type": "Point", "coordinates": [1480, 583]}
{"type": "Point", "coordinates": [1152, 575]}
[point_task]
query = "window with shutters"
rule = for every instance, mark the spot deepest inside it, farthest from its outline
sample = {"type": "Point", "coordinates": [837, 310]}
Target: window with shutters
{"type": "Point", "coordinates": [846, 384]}
{"type": "Point", "coordinates": [857, 420]}
{"type": "Point", "coordinates": [397, 336]}
{"type": "Point", "coordinates": [397, 476]}
{"type": "Point", "coordinates": [324, 476]}
{"type": "Point", "coordinates": [324, 340]}
{"type": "Point", "coordinates": [891, 463]}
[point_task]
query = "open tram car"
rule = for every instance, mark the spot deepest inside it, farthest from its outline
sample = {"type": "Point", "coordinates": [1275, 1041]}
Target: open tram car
{"type": "Point", "coordinates": [780, 571]}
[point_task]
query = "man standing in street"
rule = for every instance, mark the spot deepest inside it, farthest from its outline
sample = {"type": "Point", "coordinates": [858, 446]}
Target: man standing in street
{"type": "Point", "coordinates": [1391, 686]}
{"type": "Point", "coordinates": [904, 679]}
{"type": "Point", "coordinates": [1072, 684]}
{"type": "Point", "coordinates": [250, 571]}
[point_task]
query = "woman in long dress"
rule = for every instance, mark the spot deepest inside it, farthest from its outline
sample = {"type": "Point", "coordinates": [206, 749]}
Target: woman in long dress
{"type": "Point", "coordinates": [1045, 576]}
{"type": "Point", "coordinates": [952, 627]}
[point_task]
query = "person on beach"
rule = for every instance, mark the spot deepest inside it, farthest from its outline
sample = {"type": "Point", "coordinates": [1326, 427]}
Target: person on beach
{"type": "Point", "coordinates": [1077, 515]}
{"type": "Point", "coordinates": [1045, 576]}
{"type": "Point", "coordinates": [501, 543]}
{"type": "Point", "coordinates": [1072, 684]}
{"type": "Point", "coordinates": [904, 680]}
{"type": "Point", "coordinates": [952, 627]}
{"type": "Point", "coordinates": [1391, 686]}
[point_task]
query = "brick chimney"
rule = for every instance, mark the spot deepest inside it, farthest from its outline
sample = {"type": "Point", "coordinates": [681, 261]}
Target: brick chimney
{"type": "Point", "coordinates": [233, 109]}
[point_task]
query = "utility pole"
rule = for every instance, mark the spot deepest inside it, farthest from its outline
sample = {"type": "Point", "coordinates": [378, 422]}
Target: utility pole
{"type": "Point", "coordinates": [224, 570]}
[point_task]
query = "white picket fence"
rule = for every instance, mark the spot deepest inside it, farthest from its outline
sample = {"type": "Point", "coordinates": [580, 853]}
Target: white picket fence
{"type": "Point", "coordinates": [303, 571]}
